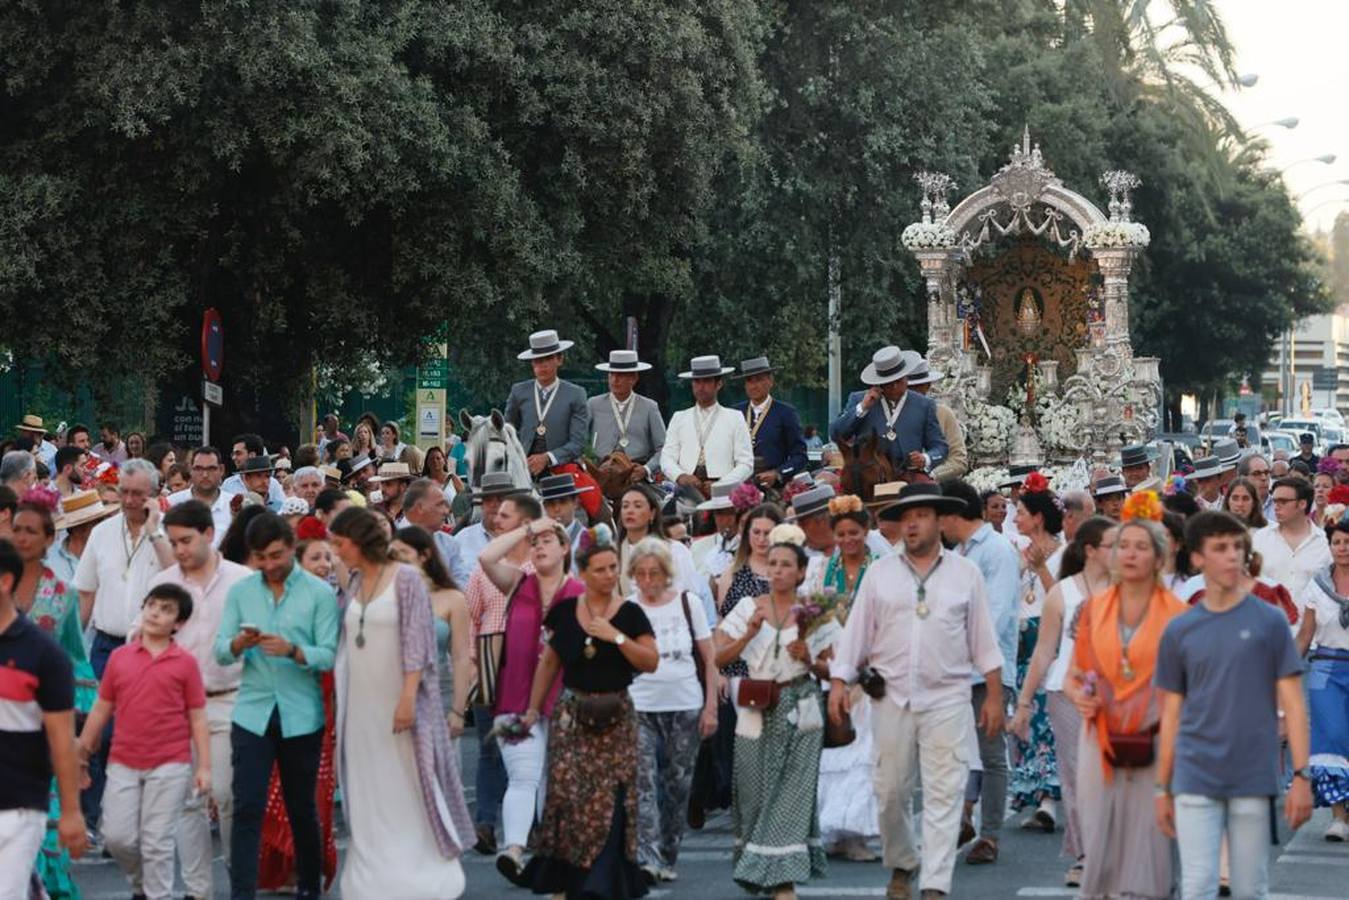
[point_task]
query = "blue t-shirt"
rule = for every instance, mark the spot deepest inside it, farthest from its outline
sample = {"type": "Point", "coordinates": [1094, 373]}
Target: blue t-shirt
{"type": "Point", "coordinates": [1226, 665]}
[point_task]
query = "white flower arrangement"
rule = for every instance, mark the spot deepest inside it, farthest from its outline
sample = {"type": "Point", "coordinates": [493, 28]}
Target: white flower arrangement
{"type": "Point", "coordinates": [928, 236]}
{"type": "Point", "coordinates": [988, 429]}
{"type": "Point", "coordinates": [359, 374]}
{"type": "Point", "coordinates": [1061, 478]}
{"type": "Point", "coordinates": [1113, 235]}
{"type": "Point", "coordinates": [1059, 425]}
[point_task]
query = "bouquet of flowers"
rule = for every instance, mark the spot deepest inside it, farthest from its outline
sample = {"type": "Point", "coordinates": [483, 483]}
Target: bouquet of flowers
{"type": "Point", "coordinates": [817, 610]}
{"type": "Point", "coordinates": [510, 729]}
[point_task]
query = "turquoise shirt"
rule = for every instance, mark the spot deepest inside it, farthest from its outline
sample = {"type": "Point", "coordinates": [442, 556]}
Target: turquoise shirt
{"type": "Point", "coordinates": [305, 615]}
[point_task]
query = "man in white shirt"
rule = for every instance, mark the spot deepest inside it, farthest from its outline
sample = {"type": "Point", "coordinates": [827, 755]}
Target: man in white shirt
{"type": "Point", "coordinates": [469, 541]}
{"type": "Point", "coordinates": [208, 470]}
{"type": "Point", "coordinates": [713, 553]}
{"type": "Point", "coordinates": [1292, 548]}
{"type": "Point", "coordinates": [929, 603]}
{"type": "Point", "coordinates": [122, 555]}
{"type": "Point", "coordinates": [208, 577]}
{"type": "Point", "coordinates": [709, 443]}
{"type": "Point", "coordinates": [243, 448]}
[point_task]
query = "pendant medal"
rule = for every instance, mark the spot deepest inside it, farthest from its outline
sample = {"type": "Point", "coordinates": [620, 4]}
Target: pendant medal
{"type": "Point", "coordinates": [623, 442]}
{"type": "Point", "coordinates": [541, 430]}
{"type": "Point", "coordinates": [589, 651]}
{"type": "Point", "coordinates": [890, 435]}
{"type": "Point", "coordinates": [921, 609]}
{"type": "Point", "coordinates": [360, 641]}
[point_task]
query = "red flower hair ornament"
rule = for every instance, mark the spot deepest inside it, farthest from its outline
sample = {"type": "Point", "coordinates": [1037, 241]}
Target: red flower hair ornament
{"type": "Point", "coordinates": [1035, 483]}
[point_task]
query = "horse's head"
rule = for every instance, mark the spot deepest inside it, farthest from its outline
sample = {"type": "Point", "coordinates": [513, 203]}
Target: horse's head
{"type": "Point", "coordinates": [864, 467]}
{"type": "Point", "coordinates": [493, 447]}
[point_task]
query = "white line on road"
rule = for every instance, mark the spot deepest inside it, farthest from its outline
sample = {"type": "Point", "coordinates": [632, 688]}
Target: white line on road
{"type": "Point", "coordinates": [1307, 859]}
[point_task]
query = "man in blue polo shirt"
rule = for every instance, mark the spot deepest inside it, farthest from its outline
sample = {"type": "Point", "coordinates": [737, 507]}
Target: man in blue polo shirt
{"type": "Point", "coordinates": [37, 708]}
{"type": "Point", "coordinates": [282, 622]}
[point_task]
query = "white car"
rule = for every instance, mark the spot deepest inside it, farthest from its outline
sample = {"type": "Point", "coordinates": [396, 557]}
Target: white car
{"type": "Point", "coordinates": [1282, 440]}
{"type": "Point", "coordinates": [1334, 416]}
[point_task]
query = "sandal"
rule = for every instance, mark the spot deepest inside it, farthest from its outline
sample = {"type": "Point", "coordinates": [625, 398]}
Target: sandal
{"type": "Point", "coordinates": [984, 851]}
{"type": "Point", "coordinates": [1074, 876]}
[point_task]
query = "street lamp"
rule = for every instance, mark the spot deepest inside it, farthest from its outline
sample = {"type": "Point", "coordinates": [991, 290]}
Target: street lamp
{"type": "Point", "coordinates": [1322, 185]}
{"type": "Point", "coordinates": [1308, 213]}
{"type": "Point", "coordinates": [1290, 123]}
{"type": "Point", "coordinates": [1326, 158]}
{"type": "Point", "coordinates": [1248, 80]}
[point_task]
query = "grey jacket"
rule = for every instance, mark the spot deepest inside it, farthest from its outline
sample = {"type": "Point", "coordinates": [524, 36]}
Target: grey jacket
{"type": "Point", "coordinates": [568, 419]}
{"type": "Point", "coordinates": [646, 430]}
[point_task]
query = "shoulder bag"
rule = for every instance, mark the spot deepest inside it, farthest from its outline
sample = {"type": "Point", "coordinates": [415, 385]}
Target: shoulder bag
{"type": "Point", "coordinates": [1133, 751]}
{"type": "Point", "coordinates": [693, 642]}
{"type": "Point", "coordinates": [491, 657]}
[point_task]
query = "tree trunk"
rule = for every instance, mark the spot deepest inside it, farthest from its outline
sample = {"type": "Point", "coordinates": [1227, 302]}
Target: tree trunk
{"type": "Point", "coordinates": [654, 316]}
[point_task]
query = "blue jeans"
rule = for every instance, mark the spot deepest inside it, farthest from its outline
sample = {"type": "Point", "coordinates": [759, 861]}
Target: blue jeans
{"type": "Point", "coordinates": [490, 779]}
{"type": "Point", "coordinates": [91, 798]}
{"type": "Point", "coordinates": [1200, 825]}
{"type": "Point", "coordinates": [298, 760]}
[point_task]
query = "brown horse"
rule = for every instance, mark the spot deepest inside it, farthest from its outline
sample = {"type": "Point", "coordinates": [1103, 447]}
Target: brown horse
{"type": "Point", "coordinates": [865, 465]}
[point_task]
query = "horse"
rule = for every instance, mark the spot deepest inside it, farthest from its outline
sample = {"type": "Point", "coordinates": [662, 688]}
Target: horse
{"type": "Point", "coordinates": [493, 446]}
{"type": "Point", "coordinates": [864, 467]}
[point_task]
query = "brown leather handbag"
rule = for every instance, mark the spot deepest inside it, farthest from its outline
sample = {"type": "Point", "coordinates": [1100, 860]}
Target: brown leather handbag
{"type": "Point", "coordinates": [1133, 751]}
{"type": "Point", "coordinates": [597, 713]}
{"type": "Point", "coordinates": [757, 693]}
{"type": "Point", "coordinates": [840, 735]}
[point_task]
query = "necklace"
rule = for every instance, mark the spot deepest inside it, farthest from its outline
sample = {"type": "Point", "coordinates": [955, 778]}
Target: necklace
{"type": "Point", "coordinates": [920, 608]}
{"type": "Point", "coordinates": [589, 650]}
{"type": "Point", "coordinates": [622, 416]}
{"type": "Point", "coordinates": [755, 419]}
{"type": "Point", "coordinates": [777, 626]}
{"type": "Point", "coordinates": [891, 416]}
{"type": "Point", "coordinates": [540, 408]}
{"type": "Point", "coordinates": [365, 604]}
{"type": "Point", "coordinates": [130, 547]}
{"type": "Point", "coordinates": [1126, 634]}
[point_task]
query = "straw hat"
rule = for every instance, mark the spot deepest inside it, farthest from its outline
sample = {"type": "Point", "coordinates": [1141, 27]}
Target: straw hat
{"type": "Point", "coordinates": [82, 507]}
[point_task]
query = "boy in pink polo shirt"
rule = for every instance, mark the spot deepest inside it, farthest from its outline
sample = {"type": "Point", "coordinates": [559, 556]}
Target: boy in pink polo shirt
{"type": "Point", "coordinates": [154, 689]}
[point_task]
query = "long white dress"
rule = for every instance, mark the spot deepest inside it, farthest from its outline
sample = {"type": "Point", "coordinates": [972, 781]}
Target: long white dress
{"type": "Point", "coordinates": [393, 852]}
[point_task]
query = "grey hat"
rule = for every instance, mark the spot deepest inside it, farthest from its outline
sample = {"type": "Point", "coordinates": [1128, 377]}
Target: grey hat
{"type": "Point", "coordinates": [1135, 455]}
{"type": "Point", "coordinates": [1207, 467]}
{"type": "Point", "coordinates": [559, 487]}
{"type": "Point", "coordinates": [925, 375]}
{"type": "Point", "coordinates": [1016, 475]}
{"type": "Point", "coordinates": [808, 503]}
{"type": "Point", "coordinates": [706, 367]}
{"type": "Point", "coordinates": [623, 361]}
{"type": "Point", "coordinates": [1109, 484]}
{"type": "Point", "coordinates": [1227, 451]}
{"type": "Point", "coordinates": [721, 497]}
{"type": "Point", "coordinates": [544, 344]}
{"type": "Point", "coordinates": [759, 365]}
{"type": "Point", "coordinates": [255, 464]}
{"type": "Point", "coordinates": [496, 484]}
{"type": "Point", "coordinates": [890, 364]}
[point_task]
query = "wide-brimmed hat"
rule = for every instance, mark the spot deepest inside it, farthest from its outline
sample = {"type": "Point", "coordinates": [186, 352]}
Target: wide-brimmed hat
{"type": "Point", "coordinates": [885, 493]}
{"type": "Point", "coordinates": [1109, 484]}
{"type": "Point", "coordinates": [925, 375]}
{"type": "Point", "coordinates": [32, 423]}
{"type": "Point", "coordinates": [543, 344]}
{"type": "Point", "coordinates": [559, 487]}
{"type": "Point", "coordinates": [352, 467]}
{"type": "Point", "coordinates": [706, 367]}
{"type": "Point", "coordinates": [1207, 467]}
{"type": "Point", "coordinates": [1016, 475]}
{"type": "Point", "coordinates": [721, 497]}
{"type": "Point", "coordinates": [808, 503]}
{"type": "Point", "coordinates": [496, 484]}
{"type": "Point", "coordinates": [759, 365]}
{"type": "Point", "coordinates": [1136, 455]}
{"type": "Point", "coordinates": [332, 472]}
{"type": "Point", "coordinates": [82, 507]}
{"type": "Point", "coordinates": [623, 361]}
{"type": "Point", "coordinates": [920, 495]}
{"type": "Point", "coordinates": [255, 464]}
{"type": "Point", "coordinates": [393, 471]}
{"type": "Point", "coordinates": [1227, 452]}
{"type": "Point", "coordinates": [890, 364]}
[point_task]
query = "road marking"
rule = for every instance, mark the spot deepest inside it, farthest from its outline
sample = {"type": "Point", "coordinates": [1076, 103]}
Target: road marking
{"type": "Point", "coordinates": [1308, 859]}
{"type": "Point", "coordinates": [1047, 892]}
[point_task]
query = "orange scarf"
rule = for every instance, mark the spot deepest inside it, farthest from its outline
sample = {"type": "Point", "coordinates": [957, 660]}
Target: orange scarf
{"type": "Point", "coordinates": [1127, 706]}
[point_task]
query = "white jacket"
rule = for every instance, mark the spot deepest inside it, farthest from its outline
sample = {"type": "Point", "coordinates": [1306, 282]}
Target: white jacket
{"type": "Point", "coordinates": [728, 453]}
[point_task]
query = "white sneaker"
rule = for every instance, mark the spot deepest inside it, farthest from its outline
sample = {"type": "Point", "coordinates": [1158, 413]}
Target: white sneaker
{"type": "Point", "coordinates": [669, 875]}
{"type": "Point", "coordinates": [1338, 831]}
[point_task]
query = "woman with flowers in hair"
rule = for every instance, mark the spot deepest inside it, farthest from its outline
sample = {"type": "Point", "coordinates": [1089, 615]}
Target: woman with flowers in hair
{"type": "Point", "coordinates": [54, 606]}
{"type": "Point", "coordinates": [1034, 780]}
{"type": "Point", "coordinates": [1110, 682]}
{"type": "Point", "coordinates": [849, 815]}
{"type": "Point", "coordinates": [779, 730]}
{"type": "Point", "coordinates": [587, 839]}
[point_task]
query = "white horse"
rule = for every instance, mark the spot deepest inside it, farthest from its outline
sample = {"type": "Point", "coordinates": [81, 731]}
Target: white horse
{"type": "Point", "coordinates": [493, 446]}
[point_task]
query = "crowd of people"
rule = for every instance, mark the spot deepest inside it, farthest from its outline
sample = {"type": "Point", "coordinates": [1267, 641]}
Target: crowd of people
{"type": "Point", "coordinates": [722, 627]}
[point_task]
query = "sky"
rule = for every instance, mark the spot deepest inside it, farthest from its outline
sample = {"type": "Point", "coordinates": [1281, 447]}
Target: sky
{"type": "Point", "coordinates": [1298, 48]}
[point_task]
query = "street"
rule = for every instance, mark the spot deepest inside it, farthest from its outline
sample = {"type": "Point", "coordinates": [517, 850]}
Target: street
{"type": "Point", "coordinates": [1303, 868]}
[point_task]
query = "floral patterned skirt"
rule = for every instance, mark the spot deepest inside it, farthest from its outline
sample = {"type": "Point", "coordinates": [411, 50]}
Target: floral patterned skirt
{"type": "Point", "coordinates": [1328, 701]}
{"type": "Point", "coordinates": [1035, 772]}
{"type": "Point", "coordinates": [588, 837]}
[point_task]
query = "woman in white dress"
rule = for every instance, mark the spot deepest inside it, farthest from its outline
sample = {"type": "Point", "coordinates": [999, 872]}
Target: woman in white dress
{"type": "Point", "coordinates": [400, 781]}
{"type": "Point", "coordinates": [849, 813]}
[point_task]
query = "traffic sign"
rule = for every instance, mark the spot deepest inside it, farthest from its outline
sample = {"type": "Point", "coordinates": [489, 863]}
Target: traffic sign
{"type": "Point", "coordinates": [434, 374]}
{"type": "Point", "coordinates": [1325, 379]}
{"type": "Point", "coordinates": [212, 344]}
{"type": "Point", "coordinates": [212, 393]}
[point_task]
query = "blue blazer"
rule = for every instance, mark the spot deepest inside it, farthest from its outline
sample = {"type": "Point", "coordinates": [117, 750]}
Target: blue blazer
{"type": "Point", "coordinates": [915, 429]}
{"type": "Point", "coordinates": [779, 442]}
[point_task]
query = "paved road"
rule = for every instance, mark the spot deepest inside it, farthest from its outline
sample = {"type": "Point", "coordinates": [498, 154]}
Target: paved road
{"type": "Point", "coordinates": [1304, 868]}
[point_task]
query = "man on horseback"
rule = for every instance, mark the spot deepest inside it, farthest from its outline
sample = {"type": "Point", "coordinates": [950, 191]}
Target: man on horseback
{"type": "Point", "coordinates": [549, 414]}
{"type": "Point", "coordinates": [903, 423]}
{"type": "Point", "coordinates": [774, 426]}
{"type": "Point", "coordinates": [624, 422]}
{"type": "Point", "coordinates": [708, 443]}
{"type": "Point", "coordinates": [956, 463]}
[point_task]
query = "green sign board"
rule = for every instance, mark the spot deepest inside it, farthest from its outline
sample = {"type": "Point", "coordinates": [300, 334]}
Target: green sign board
{"type": "Point", "coordinates": [434, 374]}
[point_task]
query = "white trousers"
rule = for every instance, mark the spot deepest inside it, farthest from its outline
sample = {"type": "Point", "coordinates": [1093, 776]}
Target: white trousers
{"type": "Point", "coordinates": [141, 809]}
{"type": "Point", "coordinates": [936, 744]}
{"type": "Point", "coordinates": [21, 834]}
{"type": "Point", "coordinates": [195, 853]}
{"type": "Point", "coordinates": [524, 762]}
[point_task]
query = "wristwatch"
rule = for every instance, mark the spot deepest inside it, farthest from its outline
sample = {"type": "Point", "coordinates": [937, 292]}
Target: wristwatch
{"type": "Point", "coordinates": [1161, 790]}
{"type": "Point", "coordinates": [1304, 773]}
{"type": "Point", "coordinates": [294, 650]}
{"type": "Point", "coordinates": [618, 641]}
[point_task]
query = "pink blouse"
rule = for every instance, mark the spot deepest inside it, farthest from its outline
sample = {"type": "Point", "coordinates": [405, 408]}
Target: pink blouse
{"type": "Point", "coordinates": [523, 645]}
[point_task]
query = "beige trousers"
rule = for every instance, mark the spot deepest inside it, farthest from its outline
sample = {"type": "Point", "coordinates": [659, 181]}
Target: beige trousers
{"type": "Point", "coordinates": [195, 853]}
{"type": "Point", "coordinates": [141, 808]}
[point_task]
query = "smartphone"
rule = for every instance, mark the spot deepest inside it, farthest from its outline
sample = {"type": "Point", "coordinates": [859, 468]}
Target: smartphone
{"type": "Point", "coordinates": [248, 628]}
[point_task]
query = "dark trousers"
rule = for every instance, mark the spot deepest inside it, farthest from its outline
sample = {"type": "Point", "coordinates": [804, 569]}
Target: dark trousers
{"type": "Point", "coordinates": [91, 798]}
{"type": "Point", "coordinates": [990, 786]}
{"type": "Point", "coordinates": [298, 760]}
{"type": "Point", "coordinates": [490, 780]}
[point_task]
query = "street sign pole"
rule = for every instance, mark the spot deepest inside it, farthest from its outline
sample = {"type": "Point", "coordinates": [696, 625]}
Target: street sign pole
{"type": "Point", "coordinates": [212, 365]}
{"type": "Point", "coordinates": [433, 381]}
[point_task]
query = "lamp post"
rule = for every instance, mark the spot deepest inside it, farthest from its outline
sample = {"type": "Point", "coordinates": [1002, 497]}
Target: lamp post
{"type": "Point", "coordinates": [1323, 184]}
{"type": "Point", "coordinates": [1325, 203]}
{"type": "Point", "coordinates": [1325, 158]}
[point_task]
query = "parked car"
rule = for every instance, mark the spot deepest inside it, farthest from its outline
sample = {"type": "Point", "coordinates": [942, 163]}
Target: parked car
{"type": "Point", "coordinates": [1334, 416]}
{"type": "Point", "coordinates": [1281, 440]}
{"type": "Point", "coordinates": [1218, 428]}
